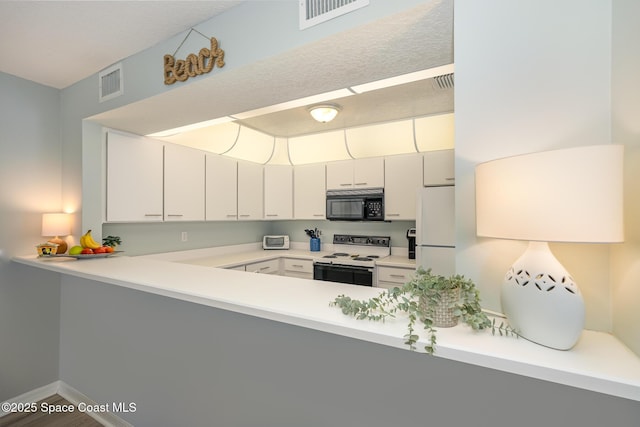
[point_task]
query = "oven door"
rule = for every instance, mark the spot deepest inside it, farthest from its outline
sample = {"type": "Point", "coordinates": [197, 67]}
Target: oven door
{"type": "Point", "coordinates": [352, 275]}
{"type": "Point", "coordinates": [345, 208]}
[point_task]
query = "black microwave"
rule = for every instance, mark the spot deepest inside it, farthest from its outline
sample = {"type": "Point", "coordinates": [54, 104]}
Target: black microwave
{"type": "Point", "coordinates": [356, 205]}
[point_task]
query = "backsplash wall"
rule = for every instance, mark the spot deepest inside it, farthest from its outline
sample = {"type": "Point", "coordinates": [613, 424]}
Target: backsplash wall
{"type": "Point", "coordinates": [158, 237]}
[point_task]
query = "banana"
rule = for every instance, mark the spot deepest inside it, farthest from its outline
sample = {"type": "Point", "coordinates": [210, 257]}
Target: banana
{"type": "Point", "coordinates": [86, 241]}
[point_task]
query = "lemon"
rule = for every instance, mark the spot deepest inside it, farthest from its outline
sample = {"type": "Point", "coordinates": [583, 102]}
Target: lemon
{"type": "Point", "coordinates": [75, 250]}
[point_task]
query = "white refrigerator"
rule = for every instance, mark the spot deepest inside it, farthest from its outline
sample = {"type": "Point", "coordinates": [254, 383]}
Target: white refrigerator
{"type": "Point", "coordinates": [435, 229]}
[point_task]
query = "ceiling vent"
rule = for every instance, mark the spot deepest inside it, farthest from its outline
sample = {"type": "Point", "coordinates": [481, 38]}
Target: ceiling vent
{"type": "Point", "coordinates": [110, 82]}
{"type": "Point", "coordinates": [313, 12]}
{"type": "Point", "coordinates": [443, 82]}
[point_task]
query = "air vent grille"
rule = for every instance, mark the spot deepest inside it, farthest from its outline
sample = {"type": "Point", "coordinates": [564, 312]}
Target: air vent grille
{"type": "Point", "coordinates": [313, 12]}
{"type": "Point", "coordinates": [443, 82]}
{"type": "Point", "coordinates": [110, 82]}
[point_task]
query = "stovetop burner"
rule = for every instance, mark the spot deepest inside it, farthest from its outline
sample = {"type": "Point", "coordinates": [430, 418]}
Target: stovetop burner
{"type": "Point", "coordinates": [359, 251]}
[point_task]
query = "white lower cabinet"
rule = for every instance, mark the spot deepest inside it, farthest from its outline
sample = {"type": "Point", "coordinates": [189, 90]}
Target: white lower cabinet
{"type": "Point", "coordinates": [300, 268]}
{"type": "Point", "coordinates": [390, 277]}
{"type": "Point", "coordinates": [264, 267]}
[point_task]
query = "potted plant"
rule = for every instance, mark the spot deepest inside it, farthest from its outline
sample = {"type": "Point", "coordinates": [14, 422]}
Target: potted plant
{"type": "Point", "coordinates": [112, 241]}
{"type": "Point", "coordinates": [434, 300]}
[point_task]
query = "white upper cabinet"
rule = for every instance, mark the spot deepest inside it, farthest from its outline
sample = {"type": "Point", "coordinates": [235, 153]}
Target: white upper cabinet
{"type": "Point", "coordinates": [134, 178]}
{"type": "Point", "coordinates": [403, 177]}
{"type": "Point", "coordinates": [439, 168]}
{"type": "Point", "coordinates": [368, 173]}
{"type": "Point", "coordinates": [309, 191]}
{"type": "Point", "coordinates": [184, 180]}
{"type": "Point", "coordinates": [359, 173]}
{"type": "Point", "coordinates": [221, 188]}
{"type": "Point", "coordinates": [278, 192]}
{"type": "Point", "coordinates": [250, 191]}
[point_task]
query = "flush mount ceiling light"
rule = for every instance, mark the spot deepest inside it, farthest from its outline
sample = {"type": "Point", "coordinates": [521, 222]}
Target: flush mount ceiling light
{"type": "Point", "coordinates": [324, 113]}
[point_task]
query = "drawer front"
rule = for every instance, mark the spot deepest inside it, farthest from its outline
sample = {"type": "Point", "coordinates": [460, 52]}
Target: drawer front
{"type": "Point", "coordinates": [298, 265]}
{"type": "Point", "coordinates": [264, 267]}
{"type": "Point", "coordinates": [399, 276]}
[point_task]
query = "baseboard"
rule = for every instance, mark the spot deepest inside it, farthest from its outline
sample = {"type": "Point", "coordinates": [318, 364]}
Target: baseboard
{"type": "Point", "coordinates": [108, 419]}
{"type": "Point", "coordinates": [33, 396]}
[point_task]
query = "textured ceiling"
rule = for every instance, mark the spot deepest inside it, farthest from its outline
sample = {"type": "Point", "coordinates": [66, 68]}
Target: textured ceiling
{"type": "Point", "coordinates": [57, 43]}
{"type": "Point", "coordinates": [418, 39]}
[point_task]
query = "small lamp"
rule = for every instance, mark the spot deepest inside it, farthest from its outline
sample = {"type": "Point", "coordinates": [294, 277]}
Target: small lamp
{"type": "Point", "coordinates": [324, 113]}
{"type": "Point", "coordinates": [568, 195]}
{"type": "Point", "coordinates": [56, 224]}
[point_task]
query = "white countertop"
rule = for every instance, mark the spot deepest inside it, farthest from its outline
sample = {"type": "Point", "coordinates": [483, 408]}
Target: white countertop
{"type": "Point", "coordinates": [598, 362]}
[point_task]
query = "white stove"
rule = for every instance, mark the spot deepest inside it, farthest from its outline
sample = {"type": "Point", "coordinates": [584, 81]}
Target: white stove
{"type": "Point", "coordinates": [353, 259]}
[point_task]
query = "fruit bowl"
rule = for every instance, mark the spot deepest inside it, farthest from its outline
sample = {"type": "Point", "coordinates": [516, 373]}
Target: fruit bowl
{"type": "Point", "coordinates": [82, 256]}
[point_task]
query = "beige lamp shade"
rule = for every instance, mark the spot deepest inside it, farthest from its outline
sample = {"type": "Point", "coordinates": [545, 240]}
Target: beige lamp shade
{"type": "Point", "coordinates": [568, 195]}
{"type": "Point", "coordinates": [56, 224]}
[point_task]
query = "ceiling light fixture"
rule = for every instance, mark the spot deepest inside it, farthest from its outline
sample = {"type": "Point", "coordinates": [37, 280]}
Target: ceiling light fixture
{"type": "Point", "coordinates": [324, 113]}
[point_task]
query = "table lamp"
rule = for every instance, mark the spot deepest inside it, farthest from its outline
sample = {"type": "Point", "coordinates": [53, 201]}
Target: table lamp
{"type": "Point", "coordinates": [56, 224]}
{"type": "Point", "coordinates": [567, 195]}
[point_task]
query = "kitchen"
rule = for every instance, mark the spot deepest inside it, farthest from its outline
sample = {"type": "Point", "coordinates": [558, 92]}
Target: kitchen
{"type": "Point", "coordinates": [252, 232]}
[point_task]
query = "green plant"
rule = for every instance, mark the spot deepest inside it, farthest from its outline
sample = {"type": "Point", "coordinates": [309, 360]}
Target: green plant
{"type": "Point", "coordinates": [419, 298]}
{"type": "Point", "coordinates": [112, 241]}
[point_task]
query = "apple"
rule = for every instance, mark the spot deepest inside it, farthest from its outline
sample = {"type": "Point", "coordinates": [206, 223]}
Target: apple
{"type": "Point", "coordinates": [108, 249]}
{"type": "Point", "coordinates": [87, 251]}
{"type": "Point", "coordinates": [100, 250]}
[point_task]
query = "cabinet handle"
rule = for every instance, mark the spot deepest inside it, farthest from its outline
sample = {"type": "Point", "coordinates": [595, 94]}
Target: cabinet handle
{"type": "Point", "coordinates": [152, 214]}
{"type": "Point", "coordinates": [264, 268]}
{"type": "Point", "coordinates": [231, 215]}
{"type": "Point", "coordinates": [271, 215]}
{"type": "Point", "coordinates": [450, 179]}
{"type": "Point", "coordinates": [297, 265]}
{"type": "Point", "coordinates": [361, 183]}
{"type": "Point", "coordinates": [244, 216]}
{"type": "Point", "coordinates": [393, 214]}
{"type": "Point", "coordinates": [399, 276]}
{"type": "Point", "coordinates": [175, 215]}
{"type": "Point", "coordinates": [348, 184]}
{"type": "Point", "coordinates": [319, 215]}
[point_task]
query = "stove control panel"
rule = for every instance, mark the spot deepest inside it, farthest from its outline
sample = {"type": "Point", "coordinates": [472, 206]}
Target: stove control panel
{"type": "Point", "coordinates": [347, 239]}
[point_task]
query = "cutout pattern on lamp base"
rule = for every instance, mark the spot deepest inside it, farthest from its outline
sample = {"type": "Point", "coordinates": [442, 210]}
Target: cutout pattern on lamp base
{"type": "Point", "coordinates": [541, 300]}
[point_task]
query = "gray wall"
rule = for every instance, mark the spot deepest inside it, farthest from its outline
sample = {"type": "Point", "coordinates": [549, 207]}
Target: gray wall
{"type": "Point", "coordinates": [30, 171]}
{"type": "Point", "coordinates": [186, 364]}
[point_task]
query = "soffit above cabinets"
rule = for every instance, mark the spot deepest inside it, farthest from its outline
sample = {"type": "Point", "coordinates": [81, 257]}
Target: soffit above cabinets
{"type": "Point", "coordinates": [417, 39]}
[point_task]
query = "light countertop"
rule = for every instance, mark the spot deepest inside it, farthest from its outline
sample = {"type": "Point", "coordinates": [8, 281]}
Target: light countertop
{"type": "Point", "coordinates": [598, 362]}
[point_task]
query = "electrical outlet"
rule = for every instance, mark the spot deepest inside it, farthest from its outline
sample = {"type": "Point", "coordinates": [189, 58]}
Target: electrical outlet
{"type": "Point", "coordinates": [184, 236]}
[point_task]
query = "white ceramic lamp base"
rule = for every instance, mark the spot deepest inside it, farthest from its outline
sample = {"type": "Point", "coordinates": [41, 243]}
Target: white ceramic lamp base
{"type": "Point", "coordinates": [541, 300]}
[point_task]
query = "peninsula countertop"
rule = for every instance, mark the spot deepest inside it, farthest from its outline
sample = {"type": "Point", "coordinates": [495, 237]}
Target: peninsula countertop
{"type": "Point", "coordinates": [305, 303]}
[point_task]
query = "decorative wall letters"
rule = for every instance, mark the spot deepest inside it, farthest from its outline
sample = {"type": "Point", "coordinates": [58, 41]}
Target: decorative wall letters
{"type": "Point", "coordinates": [194, 65]}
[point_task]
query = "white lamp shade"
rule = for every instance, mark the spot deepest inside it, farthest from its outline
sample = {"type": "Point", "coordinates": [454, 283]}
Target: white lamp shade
{"type": "Point", "coordinates": [568, 195]}
{"type": "Point", "coordinates": [56, 224]}
{"type": "Point", "coordinates": [324, 113]}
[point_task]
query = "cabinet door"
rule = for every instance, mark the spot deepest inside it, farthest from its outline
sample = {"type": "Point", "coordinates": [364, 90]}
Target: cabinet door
{"type": "Point", "coordinates": [134, 178]}
{"type": "Point", "coordinates": [278, 192]}
{"type": "Point", "coordinates": [309, 191]}
{"type": "Point", "coordinates": [368, 173]}
{"type": "Point", "coordinates": [402, 180]}
{"type": "Point", "coordinates": [183, 183]}
{"type": "Point", "coordinates": [221, 188]}
{"type": "Point", "coordinates": [340, 175]}
{"type": "Point", "coordinates": [390, 277]}
{"type": "Point", "coordinates": [439, 168]}
{"type": "Point", "coordinates": [250, 191]}
{"type": "Point", "coordinates": [264, 267]}
{"type": "Point", "coordinates": [301, 268]}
